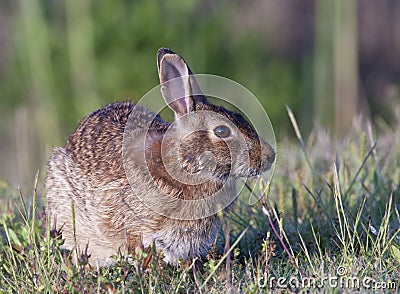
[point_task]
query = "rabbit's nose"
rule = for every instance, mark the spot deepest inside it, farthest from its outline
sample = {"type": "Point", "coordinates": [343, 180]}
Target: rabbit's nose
{"type": "Point", "coordinates": [268, 153]}
{"type": "Point", "coordinates": [271, 155]}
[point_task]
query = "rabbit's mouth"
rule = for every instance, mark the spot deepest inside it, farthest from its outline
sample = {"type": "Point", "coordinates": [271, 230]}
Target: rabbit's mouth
{"type": "Point", "coordinates": [246, 171]}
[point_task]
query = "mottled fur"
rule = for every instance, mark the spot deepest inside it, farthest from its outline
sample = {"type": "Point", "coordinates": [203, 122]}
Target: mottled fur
{"type": "Point", "coordinates": [90, 173]}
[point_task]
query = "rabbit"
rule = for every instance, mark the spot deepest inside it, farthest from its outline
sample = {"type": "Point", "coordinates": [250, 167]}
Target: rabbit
{"type": "Point", "coordinates": [97, 172]}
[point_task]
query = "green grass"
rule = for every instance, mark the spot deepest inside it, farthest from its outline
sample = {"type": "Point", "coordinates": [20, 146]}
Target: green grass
{"type": "Point", "coordinates": [334, 205]}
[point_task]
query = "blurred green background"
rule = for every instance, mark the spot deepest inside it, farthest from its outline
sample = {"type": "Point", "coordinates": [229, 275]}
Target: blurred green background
{"type": "Point", "coordinates": [328, 60]}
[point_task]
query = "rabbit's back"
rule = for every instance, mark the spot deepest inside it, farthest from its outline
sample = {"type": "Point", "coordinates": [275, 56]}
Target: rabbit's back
{"type": "Point", "coordinates": [88, 173]}
{"type": "Point", "coordinates": [96, 144]}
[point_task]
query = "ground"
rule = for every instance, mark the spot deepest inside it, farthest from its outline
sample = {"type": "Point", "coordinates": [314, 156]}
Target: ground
{"type": "Point", "coordinates": [329, 220]}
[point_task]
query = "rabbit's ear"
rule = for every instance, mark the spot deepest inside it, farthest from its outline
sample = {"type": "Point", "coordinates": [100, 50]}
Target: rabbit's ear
{"type": "Point", "coordinates": [178, 85]}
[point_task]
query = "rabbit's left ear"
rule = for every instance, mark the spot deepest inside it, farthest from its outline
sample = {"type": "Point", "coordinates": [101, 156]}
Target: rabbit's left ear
{"type": "Point", "coordinates": [178, 85]}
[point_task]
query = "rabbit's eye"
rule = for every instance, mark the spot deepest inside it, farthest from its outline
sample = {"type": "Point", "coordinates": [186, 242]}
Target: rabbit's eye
{"type": "Point", "coordinates": [222, 131]}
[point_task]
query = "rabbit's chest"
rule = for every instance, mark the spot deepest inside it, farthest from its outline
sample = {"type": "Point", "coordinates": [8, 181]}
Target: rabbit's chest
{"type": "Point", "coordinates": [179, 242]}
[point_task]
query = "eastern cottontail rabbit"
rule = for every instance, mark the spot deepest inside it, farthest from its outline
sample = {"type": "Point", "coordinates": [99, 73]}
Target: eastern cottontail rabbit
{"type": "Point", "coordinates": [142, 176]}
